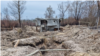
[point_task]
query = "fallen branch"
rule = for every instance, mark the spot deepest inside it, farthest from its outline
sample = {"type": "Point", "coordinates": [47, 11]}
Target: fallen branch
{"type": "Point", "coordinates": [32, 53]}
{"type": "Point", "coordinates": [48, 50]}
{"type": "Point", "coordinates": [16, 43]}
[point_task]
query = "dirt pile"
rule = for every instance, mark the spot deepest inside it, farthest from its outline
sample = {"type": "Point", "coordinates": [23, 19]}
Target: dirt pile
{"type": "Point", "coordinates": [7, 37]}
{"type": "Point", "coordinates": [84, 54]}
{"type": "Point", "coordinates": [32, 41]}
{"type": "Point", "coordinates": [77, 40]}
{"type": "Point", "coordinates": [18, 51]}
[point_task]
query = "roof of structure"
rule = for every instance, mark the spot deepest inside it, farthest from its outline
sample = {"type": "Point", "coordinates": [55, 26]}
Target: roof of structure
{"type": "Point", "coordinates": [47, 19]}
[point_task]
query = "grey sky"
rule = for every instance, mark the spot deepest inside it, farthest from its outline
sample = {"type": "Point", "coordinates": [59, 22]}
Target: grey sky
{"type": "Point", "coordinates": [35, 9]}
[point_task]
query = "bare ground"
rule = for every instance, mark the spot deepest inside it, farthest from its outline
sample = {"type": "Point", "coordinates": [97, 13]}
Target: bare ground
{"type": "Point", "coordinates": [81, 41]}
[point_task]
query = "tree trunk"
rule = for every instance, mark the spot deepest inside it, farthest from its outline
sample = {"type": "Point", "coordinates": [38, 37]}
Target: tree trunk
{"type": "Point", "coordinates": [98, 13]}
{"type": "Point", "coordinates": [19, 14]}
{"type": "Point", "coordinates": [62, 21]}
{"type": "Point", "coordinates": [19, 19]}
{"type": "Point", "coordinates": [19, 22]}
{"type": "Point", "coordinates": [77, 21]}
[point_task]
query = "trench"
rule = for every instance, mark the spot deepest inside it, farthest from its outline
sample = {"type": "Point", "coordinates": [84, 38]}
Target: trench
{"type": "Point", "coordinates": [27, 45]}
{"type": "Point", "coordinates": [40, 42]}
{"type": "Point", "coordinates": [58, 42]}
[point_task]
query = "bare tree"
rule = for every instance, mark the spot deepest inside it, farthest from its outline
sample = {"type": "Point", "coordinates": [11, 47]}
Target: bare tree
{"type": "Point", "coordinates": [77, 8]}
{"type": "Point", "coordinates": [62, 8]}
{"type": "Point", "coordinates": [49, 12]}
{"type": "Point", "coordinates": [98, 2]}
{"type": "Point", "coordinates": [6, 14]}
{"type": "Point", "coordinates": [92, 12]}
{"type": "Point", "coordinates": [6, 18]}
{"type": "Point", "coordinates": [17, 9]}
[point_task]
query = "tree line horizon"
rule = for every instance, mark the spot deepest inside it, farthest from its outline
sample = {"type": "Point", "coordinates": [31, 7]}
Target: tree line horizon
{"type": "Point", "coordinates": [88, 11]}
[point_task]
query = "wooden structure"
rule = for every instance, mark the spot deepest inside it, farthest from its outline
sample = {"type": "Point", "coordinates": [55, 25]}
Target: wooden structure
{"type": "Point", "coordinates": [47, 24]}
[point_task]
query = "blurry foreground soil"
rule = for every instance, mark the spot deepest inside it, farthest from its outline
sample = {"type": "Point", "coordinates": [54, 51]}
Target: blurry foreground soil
{"type": "Point", "coordinates": [81, 41]}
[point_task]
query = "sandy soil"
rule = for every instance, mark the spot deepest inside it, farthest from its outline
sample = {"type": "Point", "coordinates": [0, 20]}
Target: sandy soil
{"type": "Point", "coordinates": [81, 41]}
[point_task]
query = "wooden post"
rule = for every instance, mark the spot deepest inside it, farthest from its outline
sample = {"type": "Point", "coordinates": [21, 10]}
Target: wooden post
{"type": "Point", "coordinates": [40, 28]}
{"type": "Point", "coordinates": [98, 12]}
{"type": "Point", "coordinates": [36, 27]}
{"type": "Point", "coordinates": [59, 25]}
{"type": "Point", "coordinates": [97, 22]}
{"type": "Point", "coordinates": [16, 44]}
{"type": "Point", "coordinates": [79, 23]}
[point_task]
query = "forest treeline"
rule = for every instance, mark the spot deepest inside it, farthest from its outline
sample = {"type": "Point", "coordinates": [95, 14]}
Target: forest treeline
{"type": "Point", "coordinates": [87, 12]}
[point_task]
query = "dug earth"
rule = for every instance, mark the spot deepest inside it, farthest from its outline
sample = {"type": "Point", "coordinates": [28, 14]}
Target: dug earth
{"type": "Point", "coordinates": [75, 40]}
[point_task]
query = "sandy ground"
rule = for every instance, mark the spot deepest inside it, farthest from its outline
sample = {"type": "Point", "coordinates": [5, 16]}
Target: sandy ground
{"type": "Point", "coordinates": [81, 41]}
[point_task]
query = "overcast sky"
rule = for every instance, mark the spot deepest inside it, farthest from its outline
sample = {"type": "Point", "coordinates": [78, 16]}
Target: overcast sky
{"type": "Point", "coordinates": [35, 9]}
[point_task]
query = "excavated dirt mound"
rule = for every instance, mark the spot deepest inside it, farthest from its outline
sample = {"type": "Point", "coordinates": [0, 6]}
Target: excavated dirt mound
{"type": "Point", "coordinates": [19, 51]}
{"type": "Point", "coordinates": [80, 40]}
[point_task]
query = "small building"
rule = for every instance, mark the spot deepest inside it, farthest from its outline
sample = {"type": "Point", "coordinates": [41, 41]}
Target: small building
{"type": "Point", "coordinates": [47, 24]}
